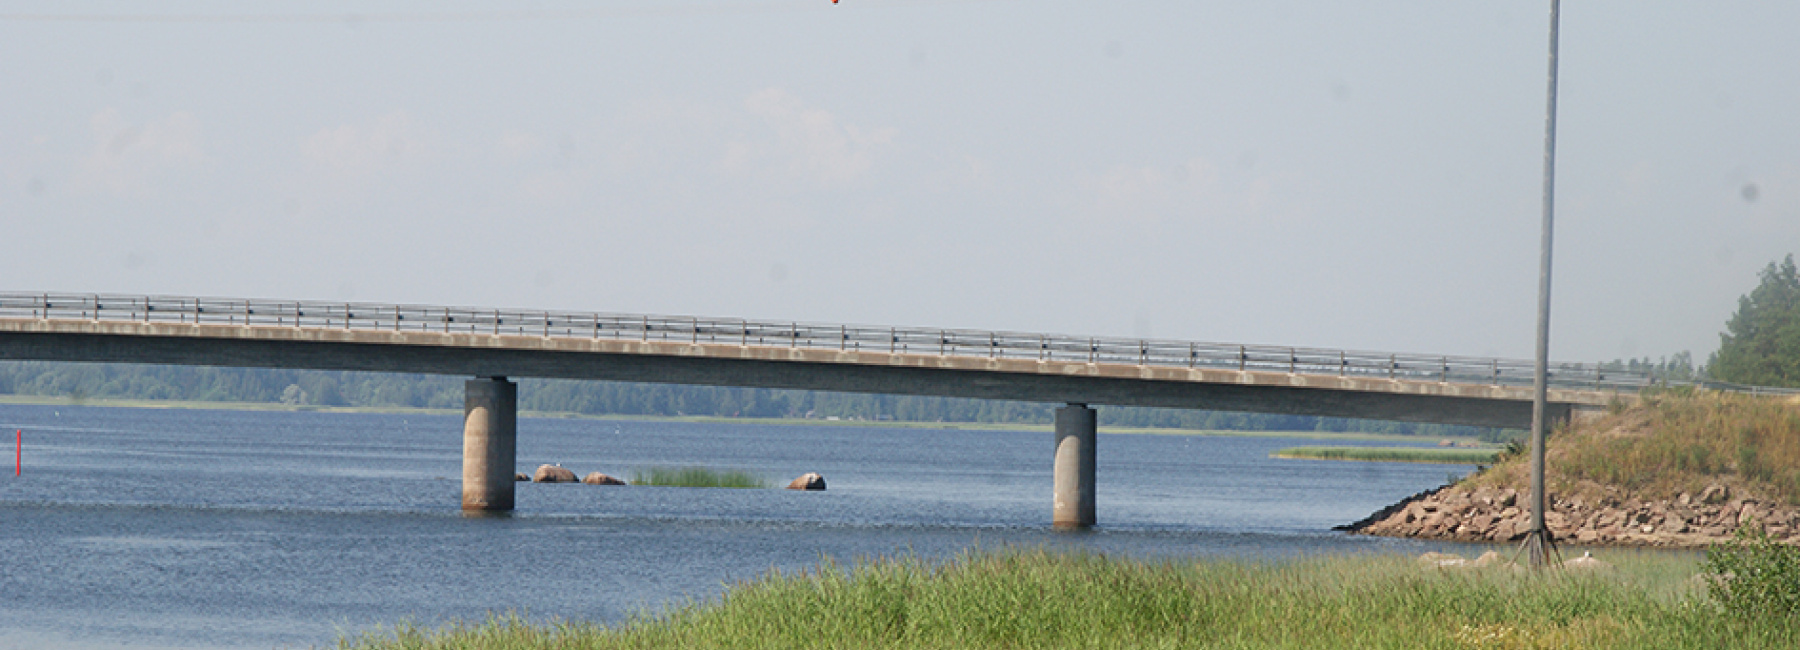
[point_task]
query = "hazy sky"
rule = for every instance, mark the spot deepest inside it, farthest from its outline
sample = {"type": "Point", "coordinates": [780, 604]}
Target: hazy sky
{"type": "Point", "coordinates": [1361, 175]}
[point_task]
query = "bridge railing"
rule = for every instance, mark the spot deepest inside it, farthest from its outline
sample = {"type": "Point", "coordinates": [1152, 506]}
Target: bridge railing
{"type": "Point", "coordinates": [909, 340]}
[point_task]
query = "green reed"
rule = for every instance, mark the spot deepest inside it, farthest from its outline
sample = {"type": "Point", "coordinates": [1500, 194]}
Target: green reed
{"type": "Point", "coordinates": [1393, 454]}
{"type": "Point", "coordinates": [698, 477]}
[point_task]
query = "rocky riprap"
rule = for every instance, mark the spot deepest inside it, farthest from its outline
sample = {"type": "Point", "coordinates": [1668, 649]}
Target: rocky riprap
{"type": "Point", "coordinates": [1496, 514]}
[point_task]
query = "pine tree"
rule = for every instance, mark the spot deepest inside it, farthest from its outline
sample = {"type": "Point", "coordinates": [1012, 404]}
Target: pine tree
{"type": "Point", "coordinates": [1761, 344]}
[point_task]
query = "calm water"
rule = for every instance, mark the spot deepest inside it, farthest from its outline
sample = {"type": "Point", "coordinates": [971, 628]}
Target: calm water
{"type": "Point", "coordinates": [147, 528]}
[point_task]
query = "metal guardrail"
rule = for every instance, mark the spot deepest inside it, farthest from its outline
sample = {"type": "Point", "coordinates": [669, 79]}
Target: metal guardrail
{"type": "Point", "coordinates": [907, 340]}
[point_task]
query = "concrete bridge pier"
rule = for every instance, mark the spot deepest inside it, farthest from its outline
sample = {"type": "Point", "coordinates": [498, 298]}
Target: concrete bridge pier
{"type": "Point", "coordinates": [490, 451]}
{"type": "Point", "coordinates": [1074, 471]}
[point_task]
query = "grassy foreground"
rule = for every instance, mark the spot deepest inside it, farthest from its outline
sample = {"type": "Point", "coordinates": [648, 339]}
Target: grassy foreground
{"type": "Point", "coordinates": [697, 477]}
{"type": "Point", "coordinates": [1037, 599]}
{"type": "Point", "coordinates": [1393, 454]}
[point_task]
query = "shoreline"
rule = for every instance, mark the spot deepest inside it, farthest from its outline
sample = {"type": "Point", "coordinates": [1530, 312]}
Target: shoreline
{"type": "Point", "coordinates": [1492, 515]}
{"type": "Point", "coordinates": [41, 400]}
{"type": "Point", "coordinates": [1676, 470]}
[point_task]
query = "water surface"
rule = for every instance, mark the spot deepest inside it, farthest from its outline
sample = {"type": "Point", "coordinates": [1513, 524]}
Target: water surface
{"type": "Point", "coordinates": [149, 528]}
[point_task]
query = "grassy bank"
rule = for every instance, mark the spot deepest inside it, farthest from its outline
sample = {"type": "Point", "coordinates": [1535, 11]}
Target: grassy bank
{"type": "Point", "coordinates": [1671, 443]}
{"type": "Point", "coordinates": [1034, 599]}
{"type": "Point", "coordinates": [697, 477]}
{"type": "Point", "coordinates": [1462, 456]}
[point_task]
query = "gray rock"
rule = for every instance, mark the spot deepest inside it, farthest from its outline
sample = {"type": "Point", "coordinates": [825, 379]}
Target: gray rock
{"type": "Point", "coordinates": [1715, 493]}
{"type": "Point", "coordinates": [597, 478]}
{"type": "Point", "coordinates": [553, 474]}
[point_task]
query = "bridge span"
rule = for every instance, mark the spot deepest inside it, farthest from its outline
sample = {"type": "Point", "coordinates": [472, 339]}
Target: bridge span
{"type": "Point", "coordinates": [494, 344]}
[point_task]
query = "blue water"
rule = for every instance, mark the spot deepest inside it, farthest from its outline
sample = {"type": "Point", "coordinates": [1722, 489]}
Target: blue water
{"type": "Point", "coordinates": [149, 528]}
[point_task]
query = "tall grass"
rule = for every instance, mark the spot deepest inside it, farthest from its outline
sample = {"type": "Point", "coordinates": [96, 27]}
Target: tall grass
{"type": "Point", "coordinates": [697, 477]}
{"type": "Point", "coordinates": [1037, 599]}
{"type": "Point", "coordinates": [1677, 442]}
{"type": "Point", "coordinates": [1393, 454]}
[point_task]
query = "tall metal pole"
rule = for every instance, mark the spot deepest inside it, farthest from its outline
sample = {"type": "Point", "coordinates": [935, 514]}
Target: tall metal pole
{"type": "Point", "coordinates": [1540, 539]}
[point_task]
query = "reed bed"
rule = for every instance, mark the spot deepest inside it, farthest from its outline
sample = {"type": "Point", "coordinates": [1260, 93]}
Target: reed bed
{"type": "Point", "coordinates": [698, 477]}
{"type": "Point", "coordinates": [1040, 599]}
{"type": "Point", "coordinates": [1393, 454]}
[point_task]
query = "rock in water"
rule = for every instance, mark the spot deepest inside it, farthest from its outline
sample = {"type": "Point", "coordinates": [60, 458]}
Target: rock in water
{"type": "Point", "coordinates": [553, 474]}
{"type": "Point", "coordinates": [808, 481]}
{"type": "Point", "coordinates": [597, 478]}
{"type": "Point", "coordinates": [521, 476]}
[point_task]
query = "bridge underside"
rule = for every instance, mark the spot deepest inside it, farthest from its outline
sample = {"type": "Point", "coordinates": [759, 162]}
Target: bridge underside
{"type": "Point", "coordinates": [491, 400]}
{"type": "Point", "coordinates": [1259, 392]}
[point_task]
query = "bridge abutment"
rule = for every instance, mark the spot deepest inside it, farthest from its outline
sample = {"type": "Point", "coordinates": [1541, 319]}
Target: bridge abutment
{"type": "Point", "coordinates": [490, 449]}
{"type": "Point", "coordinates": [1074, 473]}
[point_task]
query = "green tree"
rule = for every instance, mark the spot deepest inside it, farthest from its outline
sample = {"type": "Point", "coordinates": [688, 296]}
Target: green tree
{"type": "Point", "coordinates": [1761, 344]}
{"type": "Point", "coordinates": [293, 394]}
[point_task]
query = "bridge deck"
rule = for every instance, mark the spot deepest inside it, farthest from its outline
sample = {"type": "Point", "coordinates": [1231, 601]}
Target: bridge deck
{"type": "Point", "coordinates": [961, 363]}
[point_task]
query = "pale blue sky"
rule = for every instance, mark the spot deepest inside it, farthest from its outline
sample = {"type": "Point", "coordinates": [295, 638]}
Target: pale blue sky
{"type": "Point", "coordinates": [1360, 175]}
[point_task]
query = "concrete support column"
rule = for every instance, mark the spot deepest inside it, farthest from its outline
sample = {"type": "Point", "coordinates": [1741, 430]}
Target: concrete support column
{"type": "Point", "coordinates": [1074, 467]}
{"type": "Point", "coordinates": [490, 451]}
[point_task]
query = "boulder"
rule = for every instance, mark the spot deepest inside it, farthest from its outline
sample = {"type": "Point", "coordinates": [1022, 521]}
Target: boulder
{"type": "Point", "coordinates": [1715, 493]}
{"type": "Point", "coordinates": [1749, 513]}
{"type": "Point", "coordinates": [808, 481]}
{"type": "Point", "coordinates": [1587, 562]}
{"type": "Point", "coordinates": [553, 474]}
{"type": "Point", "coordinates": [1435, 560]}
{"type": "Point", "coordinates": [597, 478]}
{"type": "Point", "coordinates": [1482, 522]}
{"type": "Point", "coordinates": [1490, 558]}
{"type": "Point", "coordinates": [1508, 529]}
{"type": "Point", "coordinates": [521, 476]}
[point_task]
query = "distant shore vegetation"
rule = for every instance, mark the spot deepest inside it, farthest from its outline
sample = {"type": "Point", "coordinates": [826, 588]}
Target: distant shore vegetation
{"type": "Point", "coordinates": [309, 388]}
{"type": "Point", "coordinates": [1450, 455]}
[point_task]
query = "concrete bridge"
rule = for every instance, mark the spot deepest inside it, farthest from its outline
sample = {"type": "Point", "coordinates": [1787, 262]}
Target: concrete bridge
{"type": "Point", "coordinates": [494, 344]}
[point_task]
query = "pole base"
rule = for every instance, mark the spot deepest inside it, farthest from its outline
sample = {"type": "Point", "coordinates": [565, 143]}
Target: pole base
{"type": "Point", "coordinates": [1539, 547]}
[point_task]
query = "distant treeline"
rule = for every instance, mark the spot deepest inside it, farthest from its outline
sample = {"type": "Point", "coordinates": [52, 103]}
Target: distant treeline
{"type": "Point", "coordinates": [322, 388]}
{"type": "Point", "coordinates": [1678, 367]}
